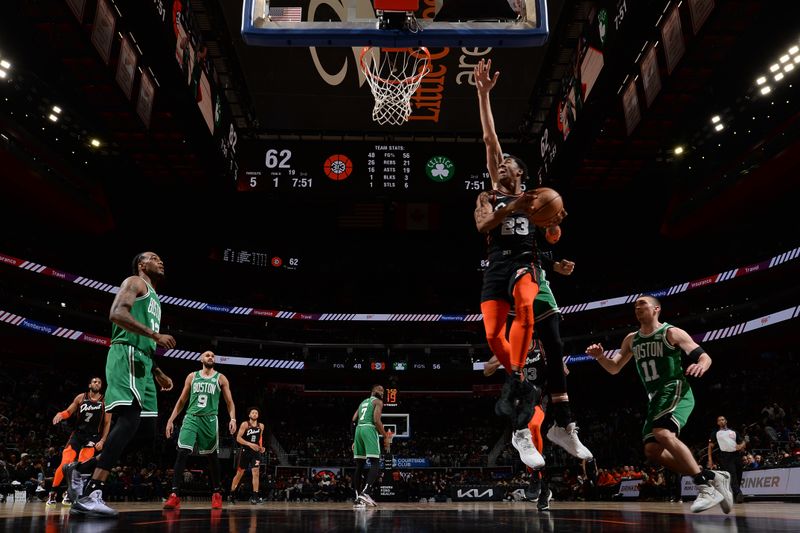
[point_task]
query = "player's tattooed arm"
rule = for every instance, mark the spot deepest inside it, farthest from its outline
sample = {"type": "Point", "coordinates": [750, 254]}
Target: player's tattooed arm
{"type": "Point", "coordinates": [487, 217]}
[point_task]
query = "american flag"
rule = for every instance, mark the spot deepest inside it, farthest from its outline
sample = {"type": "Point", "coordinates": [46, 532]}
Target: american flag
{"type": "Point", "coordinates": [286, 14]}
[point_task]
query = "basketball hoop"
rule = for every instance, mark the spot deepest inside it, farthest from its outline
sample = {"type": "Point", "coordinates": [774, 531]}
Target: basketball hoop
{"type": "Point", "coordinates": [394, 75]}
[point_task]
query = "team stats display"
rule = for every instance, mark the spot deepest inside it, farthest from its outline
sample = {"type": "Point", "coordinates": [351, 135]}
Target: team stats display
{"type": "Point", "coordinates": [351, 167]}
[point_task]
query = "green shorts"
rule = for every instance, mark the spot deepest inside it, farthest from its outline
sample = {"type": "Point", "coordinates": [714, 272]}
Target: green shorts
{"type": "Point", "coordinates": [129, 378]}
{"type": "Point", "coordinates": [367, 442]}
{"type": "Point", "coordinates": [545, 303]}
{"type": "Point", "coordinates": [199, 432]}
{"type": "Point", "coordinates": [673, 402]}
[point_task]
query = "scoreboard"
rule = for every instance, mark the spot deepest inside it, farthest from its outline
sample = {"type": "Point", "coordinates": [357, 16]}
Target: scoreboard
{"type": "Point", "coordinates": [368, 167]}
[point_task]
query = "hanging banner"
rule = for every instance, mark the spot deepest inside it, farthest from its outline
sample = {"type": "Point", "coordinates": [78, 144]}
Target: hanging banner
{"type": "Point", "coordinates": [105, 23]}
{"type": "Point", "coordinates": [630, 105]}
{"type": "Point", "coordinates": [700, 10]}
{"type": "Point", "coordinates": [126, 66]}
{"type": "Point", "coordinates": [147, 94]}
{"type": "Point", "coordinates": [78, 8]}
{"type": "Point", "coordinates": [651, 77]}
{"type": "Point", "coordinates": [672, 38]}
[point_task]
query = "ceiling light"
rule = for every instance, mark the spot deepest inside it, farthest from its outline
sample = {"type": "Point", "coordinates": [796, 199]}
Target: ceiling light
{"type": "Point", "coordinates": [53, 118]}
{"type": "Point", "coordinates": [765, 90]}
{"type": "Point", "coordinates": [95, 143]}
{"type": "Point", "coordinates": [56, 110]}
{"type": "Point", "coordinates": [2, 73]}
{"type": "Point", "coordinates": [5, 64]}
{"type": "Point", "coordinates": [793, 50]}
{"type": "Point", "coordinates": [797, 58]}
{"type": "Point", "coordinates": [779, 76]}
{"type": "Point", "coordinates": [761, 81]}
{"type": "Point", "coordinates": [774, 67]}
{"type": "Point", "coordinates": [784, 58]}
{"type": "Point", "coordinates": [715, 119]}
{"type": "Point", "coordinates": [788, 67]}
{"type": "Point", "coordinates": [678, 150]}
{"type": "Point", "coordinates": [719, 127]}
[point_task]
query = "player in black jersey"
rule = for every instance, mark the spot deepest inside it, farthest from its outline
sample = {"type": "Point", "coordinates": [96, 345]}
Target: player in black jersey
{"type": "Point", "coordinates": [527, 428]}
{"type": "Point", "coordinates": [511, 277]}
{"type": "Point", "coordinates": [564, 431]}
{"type": "Point", "coordinates": [251, 438]}
{"type": "Point", "coordinates": [90, 430]}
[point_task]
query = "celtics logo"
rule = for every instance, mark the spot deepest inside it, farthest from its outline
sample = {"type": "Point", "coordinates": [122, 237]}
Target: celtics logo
{"type": "Point", "coordinates": [440, 168]}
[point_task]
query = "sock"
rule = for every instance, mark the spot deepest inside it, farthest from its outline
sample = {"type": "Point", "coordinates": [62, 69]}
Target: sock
{"type": "Point", "coordinates": [374, 470]}
{"type": "Point", "coordinates": [216, 484]}
{"type": "Point", "coordinates": [180, 466]}
{"type": "Point", "coordinates": [704, 477]}
{"type": "Point", "coordinates": [561, 413]}
{"type": "Point", "coordinates": [94, 485]}
{"type": "Point", "coordinates": [358, 474]}
{"type": "Point", "coordinates": [87, 467]}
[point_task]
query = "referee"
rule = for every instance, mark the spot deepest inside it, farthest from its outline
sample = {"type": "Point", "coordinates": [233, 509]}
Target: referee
{"type": "Point", "coordinates": [730, 445]}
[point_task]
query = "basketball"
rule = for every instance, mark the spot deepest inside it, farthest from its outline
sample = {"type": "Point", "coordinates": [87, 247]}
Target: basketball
{"type": "Point", "coordinates": [547, 205]}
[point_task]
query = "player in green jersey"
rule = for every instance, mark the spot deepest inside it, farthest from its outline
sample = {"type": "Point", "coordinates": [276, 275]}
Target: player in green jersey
{"type": "Point", "coordinates": [130, 393]}
{"type": "Point", "coordinates": [657, 349]}
{"type": "Point", "coordinates": [367, 431]}
{"type": "Point", "coordinates": [202, 389]}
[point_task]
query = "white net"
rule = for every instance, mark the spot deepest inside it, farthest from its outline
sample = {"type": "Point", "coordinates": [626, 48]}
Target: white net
{"type": "Point", "coordinates": [394, 75]}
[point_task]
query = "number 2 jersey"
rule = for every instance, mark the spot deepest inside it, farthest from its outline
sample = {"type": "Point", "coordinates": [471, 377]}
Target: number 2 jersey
{"type": "Point", "coordinates": [252, 435]}
{"type": "Point", "coordinates": [657, 361]}
{"type": "Point", "coordinates": [514, 239]}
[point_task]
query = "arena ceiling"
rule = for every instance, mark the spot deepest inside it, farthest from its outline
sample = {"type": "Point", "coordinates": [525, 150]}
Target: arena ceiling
{"type": "Point", "coordinates": [273, 93]}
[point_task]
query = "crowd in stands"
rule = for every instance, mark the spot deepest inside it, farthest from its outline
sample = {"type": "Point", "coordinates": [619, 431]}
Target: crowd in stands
{"type": "Point", "coordinates": [455, 435]}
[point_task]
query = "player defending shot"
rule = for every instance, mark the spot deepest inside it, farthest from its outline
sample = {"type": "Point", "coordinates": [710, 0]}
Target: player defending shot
{"type": "Point", "coordinates": [250, 437]}
{"type": "Point", "coordinates": [367, 431]}
{"type": "Point", "coordinates": [91, 426]}
{"type": "Point", "coordinates": [657, 348]}
{"type": "Point", "coordinates": [130, 370]}
{"type": "Point", "coordinates": [200, 429]}
{"type": "Point", "coordinates": [510, 279]}
{"type": "Point", "coordinates": [564, 430]}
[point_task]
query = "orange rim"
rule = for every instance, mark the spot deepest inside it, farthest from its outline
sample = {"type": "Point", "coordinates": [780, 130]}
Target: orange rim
{"type": "Point", "coordinates": [412, 79]}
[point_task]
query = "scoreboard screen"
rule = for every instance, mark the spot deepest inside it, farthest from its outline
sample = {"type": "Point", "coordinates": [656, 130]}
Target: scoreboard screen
{"type": "Point", "coordinates": [330, 167]}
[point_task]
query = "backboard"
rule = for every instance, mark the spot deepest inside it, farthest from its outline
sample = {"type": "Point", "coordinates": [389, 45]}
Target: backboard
{"type": "Point", "coordinates": [436, 23]}
{"type": "Point", "coordinates": [398, 423]}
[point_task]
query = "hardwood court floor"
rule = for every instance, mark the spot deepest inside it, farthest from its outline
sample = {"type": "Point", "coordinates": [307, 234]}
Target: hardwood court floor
{"type": "Point", "coordinates": [194, 517]}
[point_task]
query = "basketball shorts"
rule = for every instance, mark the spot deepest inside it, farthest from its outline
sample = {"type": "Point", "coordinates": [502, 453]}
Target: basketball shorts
{"type": "Point", "coordinates": [248, 459]}
{"type": "Point", "coordinates": [129, 378]}
{"type": "Point", "coordinates": [82, 440]}
{"type": "Point", "coordinates": [545, 303]}
{"type": "Point", "coordinates": [367, 442]}
{"type": "Point", "coordinates": [501, 276]}
{"type": "Point", "coordinates": [199, 433]}
{"type": "Point", "coordinates": [669, 407]}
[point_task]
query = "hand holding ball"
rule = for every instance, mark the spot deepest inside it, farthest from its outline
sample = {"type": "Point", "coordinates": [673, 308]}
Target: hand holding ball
{"type": "Point", "coordinates": [548, 208]}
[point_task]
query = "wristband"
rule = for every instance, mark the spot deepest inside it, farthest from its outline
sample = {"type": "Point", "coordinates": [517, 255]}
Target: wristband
{"type": "Point", "coordinates": [695, 354]}
{"type": "Point", "coordinates": [65, 415]}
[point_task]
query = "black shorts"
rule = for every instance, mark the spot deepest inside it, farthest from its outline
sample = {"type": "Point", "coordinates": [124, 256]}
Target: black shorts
{"type": "Point", "coordinates": [78, 441]}
{"type": "Point", "coordinates": [248, 459]}
{"type": "Point", "coordinates": [501, 276]}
